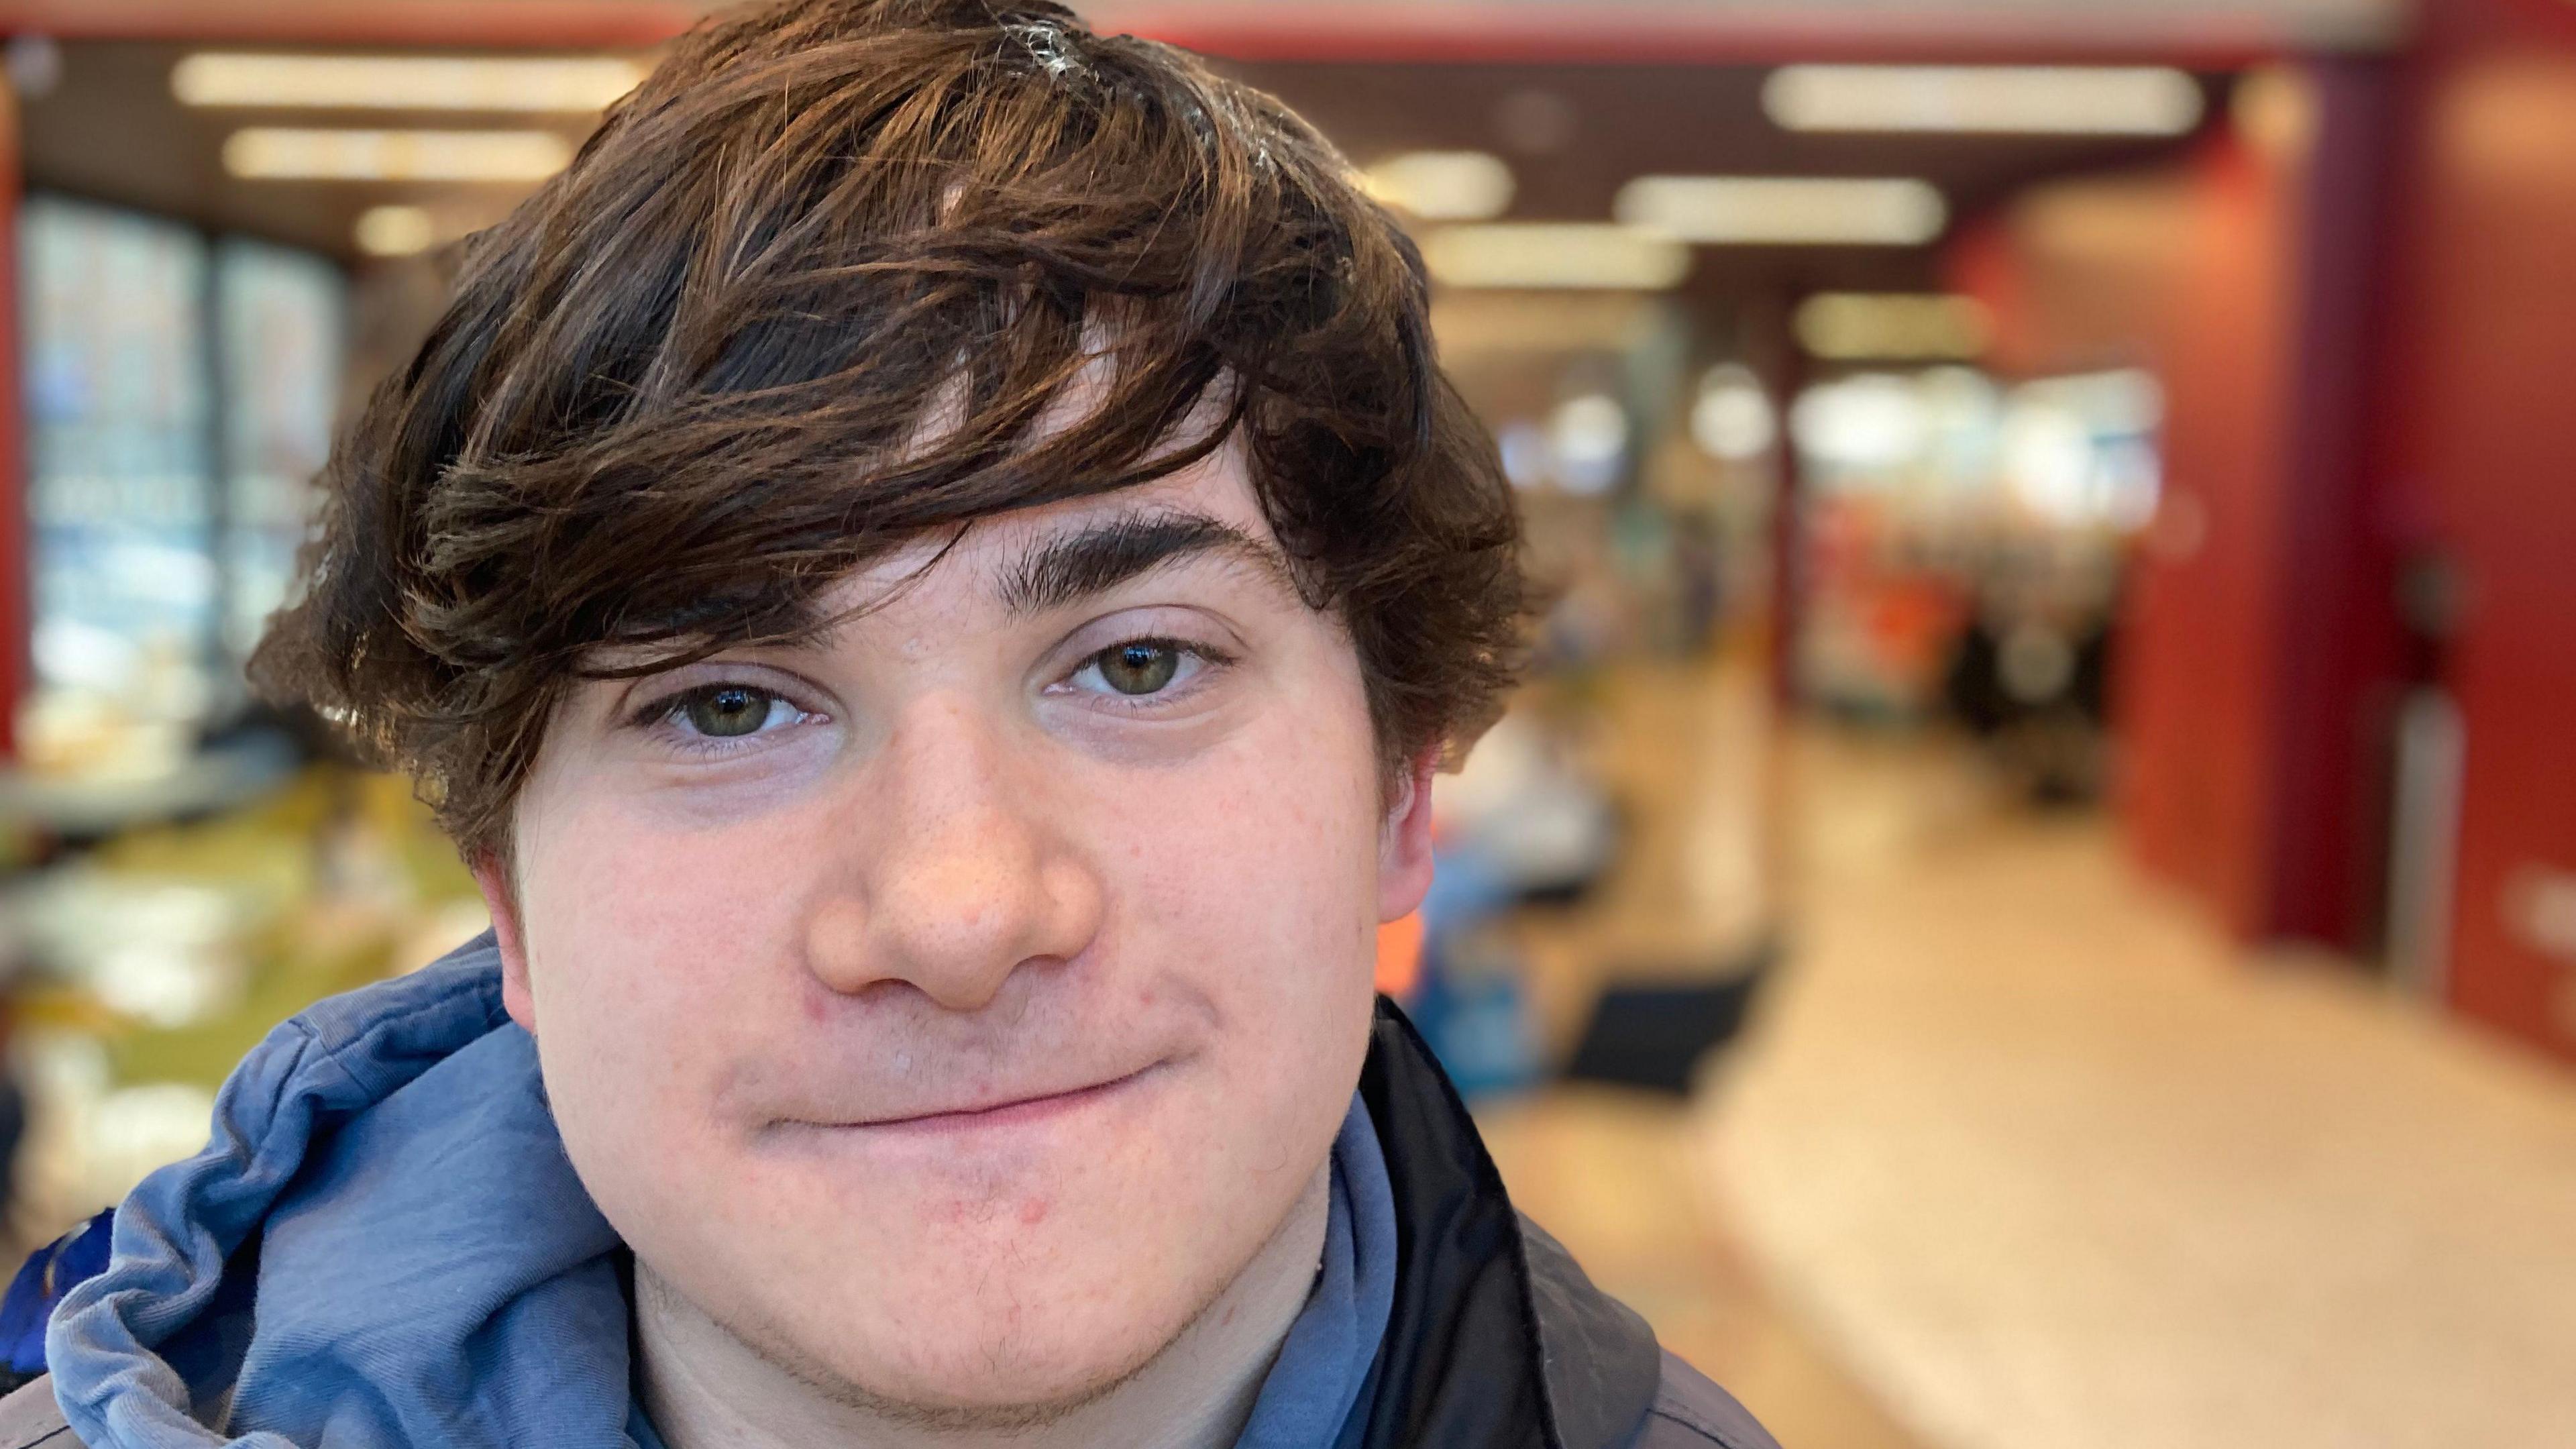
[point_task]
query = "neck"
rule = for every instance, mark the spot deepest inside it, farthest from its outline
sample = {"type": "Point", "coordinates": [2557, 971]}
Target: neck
{"type": "Point", "coordinates": [705, 1388]}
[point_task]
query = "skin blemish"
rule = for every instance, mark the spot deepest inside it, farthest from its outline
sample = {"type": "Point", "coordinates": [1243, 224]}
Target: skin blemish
{"type": "Point", "coordinates": [1033, 1212]}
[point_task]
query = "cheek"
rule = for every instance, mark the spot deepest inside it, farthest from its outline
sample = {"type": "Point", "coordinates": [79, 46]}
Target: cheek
{"type": "Point", "coordinates": [644, 946]}
{"type": "Point", "coordinates": [1253, 881]}
{"type": "Point", "coordinates": [608, 901]}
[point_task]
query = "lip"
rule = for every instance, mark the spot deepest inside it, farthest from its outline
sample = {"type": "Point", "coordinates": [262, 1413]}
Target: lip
{"type": "Point", "coordinates": [1017, 1112]}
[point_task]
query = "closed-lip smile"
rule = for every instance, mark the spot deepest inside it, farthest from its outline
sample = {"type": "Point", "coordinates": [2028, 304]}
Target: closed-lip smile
{"type": "Point", "coordinates": [1008, 1111]}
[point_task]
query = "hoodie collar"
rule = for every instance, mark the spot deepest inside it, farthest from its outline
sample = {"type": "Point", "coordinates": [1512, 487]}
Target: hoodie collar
{"type": "Point", "coordinates": [368, 1155]}
{"type": "Point", "coordinates": [365, 1160]}
{"type": "Point", "coordinates": [325, 1272]}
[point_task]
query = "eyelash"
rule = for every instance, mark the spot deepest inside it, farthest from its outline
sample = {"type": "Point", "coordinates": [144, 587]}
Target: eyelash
{"type": "Point", "coordinates": [661, 714]}
{"type": "Point", "coordinates": [1209, 658]}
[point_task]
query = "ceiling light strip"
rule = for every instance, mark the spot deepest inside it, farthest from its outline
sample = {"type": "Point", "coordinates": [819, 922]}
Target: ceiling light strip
{"type": "Point", "coordinates": [569, 85]}
{"type": "Point", "coordinates": [1893, 326]}
{"type": "Point", "coordinates": [1985, 99]}
{"type": "Point", "coordinates": [284, 153]}
{"type": "Point", "coordinates": [1553, 255]}
{"type": "Point", "coordinates": [1785, 210]}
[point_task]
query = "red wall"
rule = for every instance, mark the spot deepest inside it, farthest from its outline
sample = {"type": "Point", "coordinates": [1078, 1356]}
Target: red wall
{"type": "Point", "coordinates": [2478, 406]}
{"type": "Point", "coordinates": [15, 605]}
{"type": "Point", "coordinates": [2368, 352]}
{"type": "Point", "coordinates": [2200, 664]}
{"type": "Point", "coordinates": [2184, 270]}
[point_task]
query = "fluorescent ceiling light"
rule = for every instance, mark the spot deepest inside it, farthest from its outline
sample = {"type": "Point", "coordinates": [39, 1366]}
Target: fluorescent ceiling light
{"type": "Point", "coordinates": [1554, 254]}
{"type": "Point", "coordinates": [1893, 326]}
{"type": "Point", "coordinates": [1733, 418]}
{"type": "Point", "coordinates": [1442, 185]}
{"type": "Point", "coordinates": [395, 231]}
{"type": "Point", "coordinates": [404, 83]}
{"type": "Point", "coordinates": [1993, 99]}
{"type": "Point", "coordinates": [1785, 210]}
{"type": "Point", "coordinates": [286, 153]}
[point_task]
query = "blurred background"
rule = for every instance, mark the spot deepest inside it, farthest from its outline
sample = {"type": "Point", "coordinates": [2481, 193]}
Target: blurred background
{"type": "Point", "coordinates": [2031, 900]}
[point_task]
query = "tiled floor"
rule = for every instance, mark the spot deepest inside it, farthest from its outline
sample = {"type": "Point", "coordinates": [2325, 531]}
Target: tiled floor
{"type": "Point", "coordinates": [1613, 1174]}
{"type": "Point", "coordinates": [2057, 1167]}
{"type": "Point", "coordinates": [1619, 1176]}
{"type": "Point", "coordinates": [2021, 1155]}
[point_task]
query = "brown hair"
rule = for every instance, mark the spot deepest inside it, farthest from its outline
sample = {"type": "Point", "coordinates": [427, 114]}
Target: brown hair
{"type": "Point", "coordinates": [682, 388]}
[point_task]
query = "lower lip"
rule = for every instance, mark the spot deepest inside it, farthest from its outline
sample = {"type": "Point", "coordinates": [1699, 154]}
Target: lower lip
{"type": "Point", "coordinates": [1035, 1111]}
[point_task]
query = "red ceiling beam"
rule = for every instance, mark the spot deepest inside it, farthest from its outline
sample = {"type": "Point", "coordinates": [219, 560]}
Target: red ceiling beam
{"type": "Point", "coordinates": [463, 24]}
{"type": "Point", "coordinates": [1671, 33]}
{"type": "Point", "coordinates": [1315, 30]}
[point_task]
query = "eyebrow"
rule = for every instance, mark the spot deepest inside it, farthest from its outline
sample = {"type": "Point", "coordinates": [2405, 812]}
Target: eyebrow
{"type": "Point", "coordinates": [1094, 559]}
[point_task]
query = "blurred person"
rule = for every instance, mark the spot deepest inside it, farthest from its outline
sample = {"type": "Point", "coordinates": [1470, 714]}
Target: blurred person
{"type": "Point", "coordinates": [927, 574]}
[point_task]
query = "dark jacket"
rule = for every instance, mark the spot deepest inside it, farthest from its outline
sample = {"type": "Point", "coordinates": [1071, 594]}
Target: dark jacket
{"type": "Point", "coordinates": [1497, 1339]}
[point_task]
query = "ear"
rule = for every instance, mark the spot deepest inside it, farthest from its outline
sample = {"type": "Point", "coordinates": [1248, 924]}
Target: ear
{"type": "Point", "coordinates": [493, 880]}
{"type": "Point", "coordinates": [1404, 842]}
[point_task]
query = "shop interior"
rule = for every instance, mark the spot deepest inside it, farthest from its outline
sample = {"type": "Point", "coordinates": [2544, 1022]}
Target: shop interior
{"type": "Point", "coordinates": [2033, 862]}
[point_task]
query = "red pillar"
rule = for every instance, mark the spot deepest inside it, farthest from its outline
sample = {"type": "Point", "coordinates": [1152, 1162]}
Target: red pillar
{"type": "Point", "coordinates": [2339, 652]}
{"type": "Point", "coordinates": [14, 610]}
{"type": "Point", "coordinates": [2258, 637]}
{"type": "Point", "coordinates": [2475, 430]}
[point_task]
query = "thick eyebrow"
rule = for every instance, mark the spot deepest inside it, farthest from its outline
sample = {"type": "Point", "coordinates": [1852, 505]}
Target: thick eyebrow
{"type": "Point", "coordinates": [1099, 557]}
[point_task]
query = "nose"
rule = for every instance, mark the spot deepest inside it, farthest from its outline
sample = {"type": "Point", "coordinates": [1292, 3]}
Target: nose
{"type": "Point", "coordinates": [959, 870]}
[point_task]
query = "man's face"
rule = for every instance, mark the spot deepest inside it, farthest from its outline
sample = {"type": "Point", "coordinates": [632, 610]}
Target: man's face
{"type": "Point", "coordinates": [954, 1005]}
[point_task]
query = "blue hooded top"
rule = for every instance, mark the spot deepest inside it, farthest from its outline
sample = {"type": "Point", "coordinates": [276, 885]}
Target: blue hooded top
{"type": "Point", "coordinates": [384, 1244]}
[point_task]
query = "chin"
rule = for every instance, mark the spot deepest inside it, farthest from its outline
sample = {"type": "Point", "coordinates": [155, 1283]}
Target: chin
{"type": "Point", "coordinates": [1027, 1365]}
{"type": "Point", "coordinates": [996, 1311]}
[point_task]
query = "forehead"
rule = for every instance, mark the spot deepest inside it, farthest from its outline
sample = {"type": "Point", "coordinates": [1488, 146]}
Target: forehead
{"type": "Point", "coordinates": [992, 551]}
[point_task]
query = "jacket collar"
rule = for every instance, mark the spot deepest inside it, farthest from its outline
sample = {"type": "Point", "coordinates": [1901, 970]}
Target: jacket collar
{"type": "Point", "coordinates": [1497, 1341]}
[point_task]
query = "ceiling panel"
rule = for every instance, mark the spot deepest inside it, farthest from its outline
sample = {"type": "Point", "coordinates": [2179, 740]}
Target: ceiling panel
{"type": "Point", "coordinates": [109, 129]}
{"type": "Point", "coordinates": [2212, 30]}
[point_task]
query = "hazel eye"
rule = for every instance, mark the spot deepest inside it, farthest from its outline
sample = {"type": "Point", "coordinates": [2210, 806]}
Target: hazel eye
{"type": "Point", "coordinates": [729, 711]}
{"type": "Point", "coordinates": [1139, 666]}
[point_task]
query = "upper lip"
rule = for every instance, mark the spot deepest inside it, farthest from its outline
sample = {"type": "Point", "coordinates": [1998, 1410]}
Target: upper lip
{"type": "Point", "coordinates": [980, 1106]}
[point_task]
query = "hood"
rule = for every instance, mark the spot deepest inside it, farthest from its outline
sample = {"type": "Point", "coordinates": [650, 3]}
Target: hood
{"type": "Point", "coordinates": [386, 1189]}
{"type": "Point", "coordinates": [384, 1182]}
{"type": "Point", "coordinates": [386, 1201]}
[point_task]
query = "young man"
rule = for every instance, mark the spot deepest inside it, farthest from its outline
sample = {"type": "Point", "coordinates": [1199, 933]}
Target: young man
{"type": "Point", "coordinates": [927, 574]}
